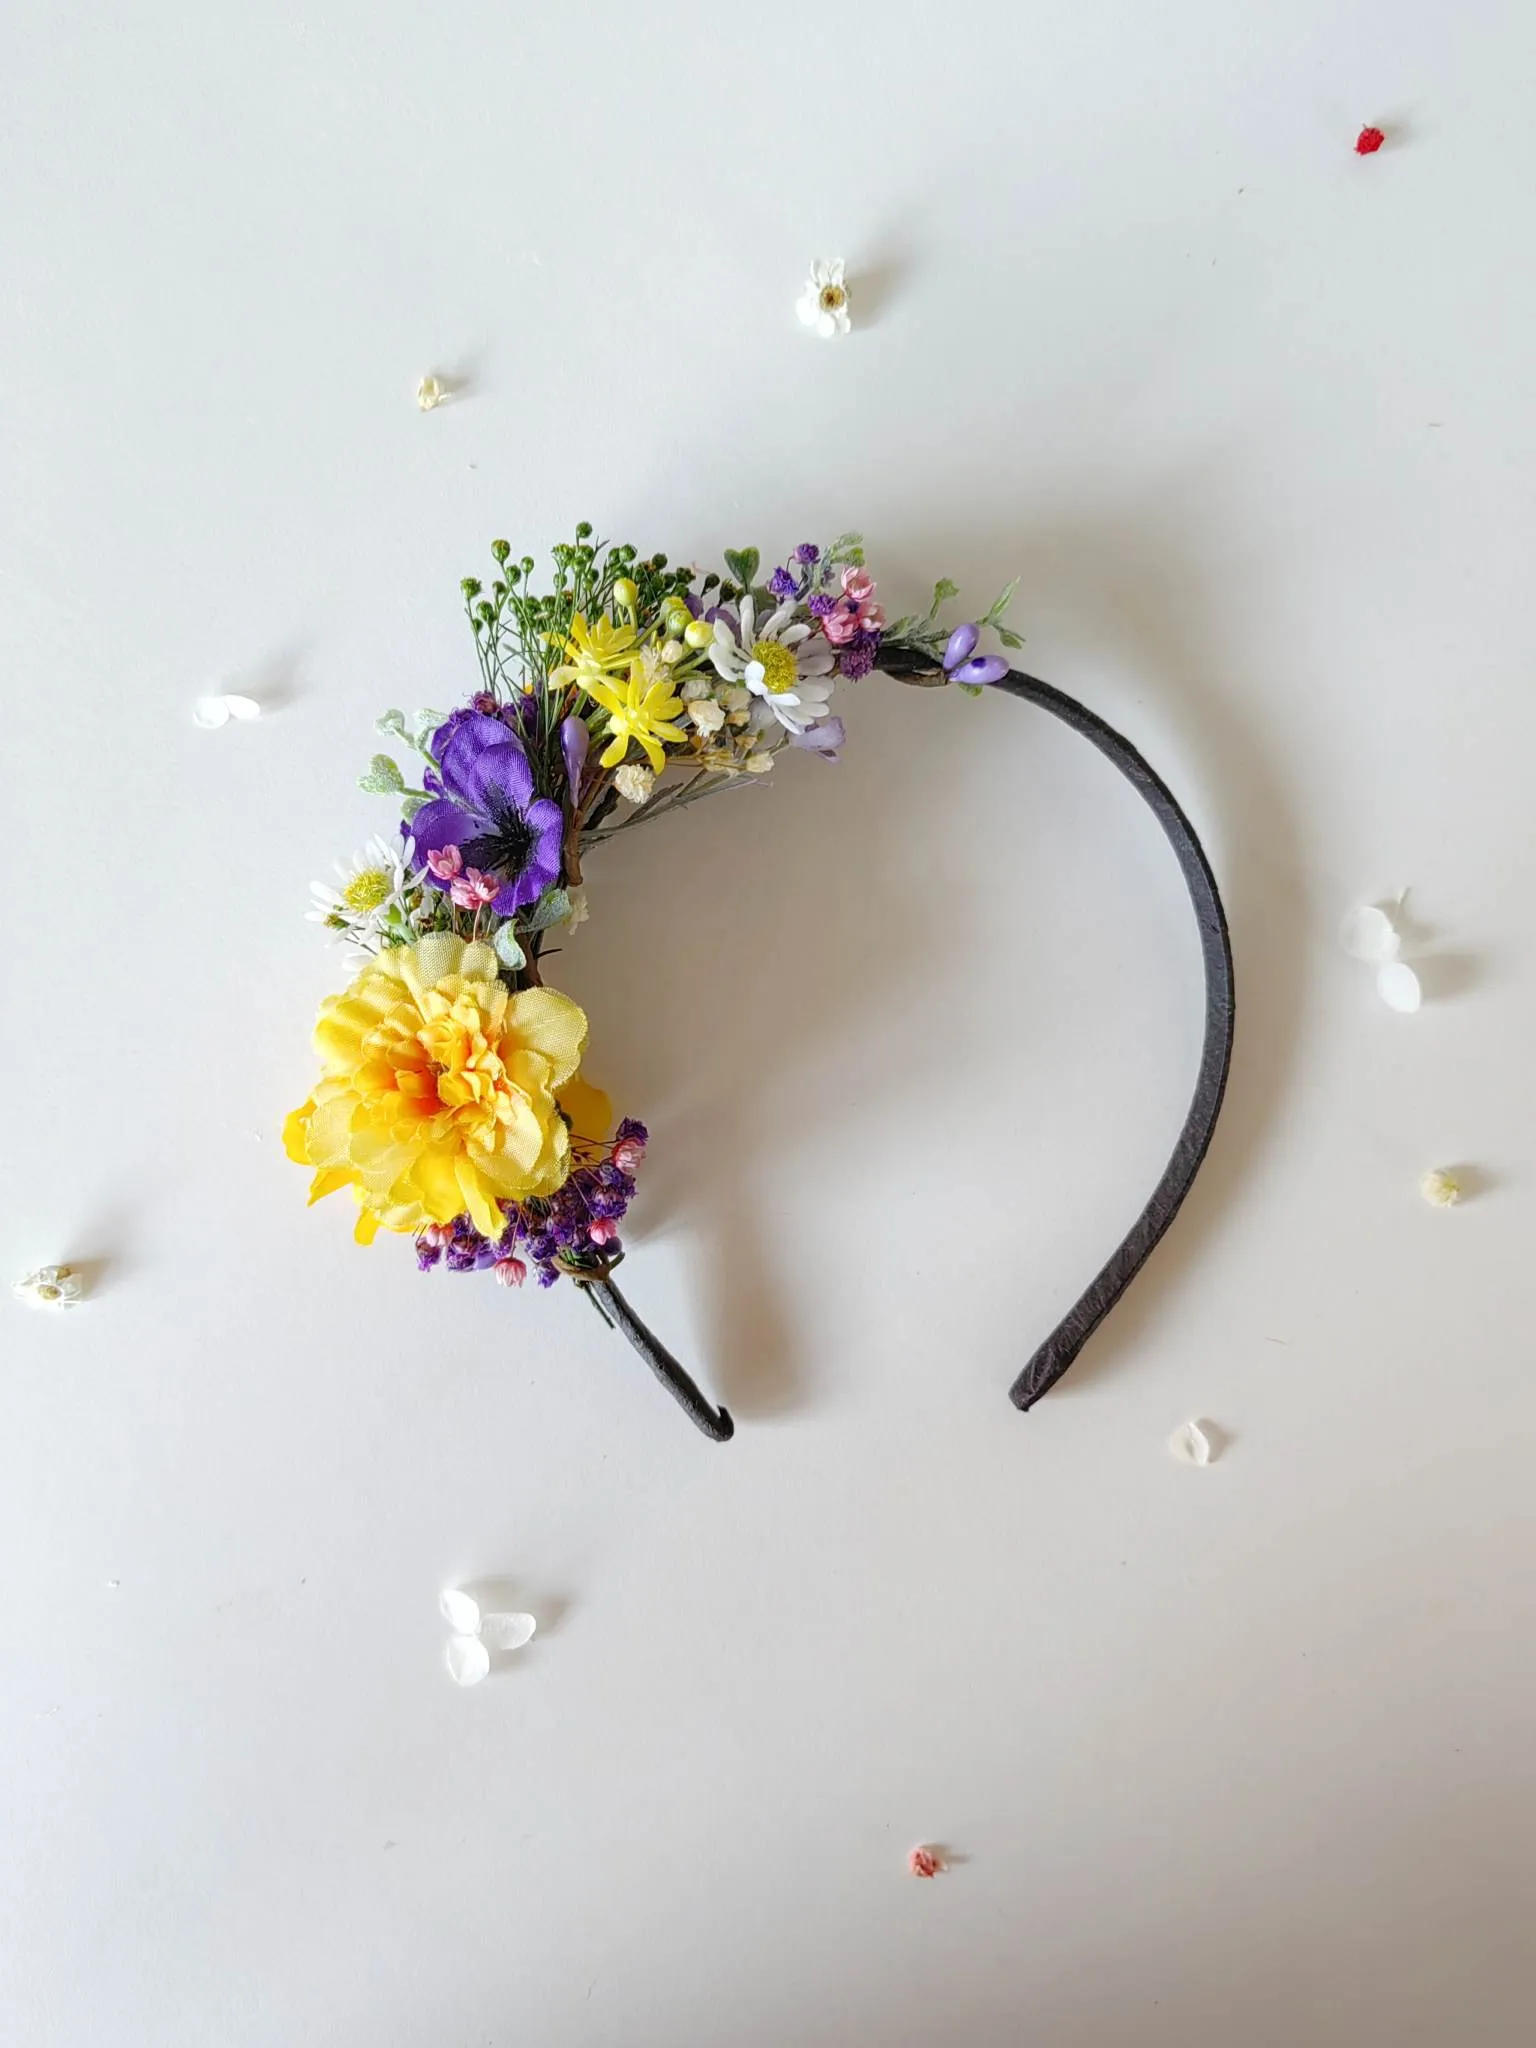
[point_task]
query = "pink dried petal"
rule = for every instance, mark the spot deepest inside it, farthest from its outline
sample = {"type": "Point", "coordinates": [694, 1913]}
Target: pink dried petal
{"type": "Point", "coordinates": [925, 1862]}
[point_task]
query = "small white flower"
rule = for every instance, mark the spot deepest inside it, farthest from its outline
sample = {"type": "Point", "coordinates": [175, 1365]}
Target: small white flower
{"type": "Point", "coordinates": [824, 302]}
{"type": "Point", "coordinates": [579, 911]}
{"type": "Point", "coordinates": [430, 393]}
{"type": "Point", "coordinates": [373, 892]}
{"type": "Point", "coordinates": [476, 1635]}
{"type": "Point", "coordinates": [778, 661]}
{"type": "Point", "coordinates": [706, 714]}
{"type": "Point", "coordinates": [51, 1287]}
{"type": "Point", "coordinates": [634, 783]}
{"type": "Point", "coordinates": [1440, 1188]}
{"type": "Point", "coordinates": [212, 712]}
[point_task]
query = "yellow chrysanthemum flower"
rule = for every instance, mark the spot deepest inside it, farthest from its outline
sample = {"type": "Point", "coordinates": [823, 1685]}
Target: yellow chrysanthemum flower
{"type": "Point", "coordinates": [439, 1089]}
{"type": "Point", "coordinates": [640, 708]}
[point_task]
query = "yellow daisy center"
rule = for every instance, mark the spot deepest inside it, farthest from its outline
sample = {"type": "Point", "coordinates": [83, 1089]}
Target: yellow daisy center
{"type": "Point", "coordinates": [832, 297]}
{"type": "Point", "coordinates": [778, 666]}
{"type": "Point", "coordinates": [367, 890]}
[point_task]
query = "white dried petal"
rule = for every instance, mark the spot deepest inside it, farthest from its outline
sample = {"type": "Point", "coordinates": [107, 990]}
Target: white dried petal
{"type": "Point", "coordinates": [1196, 1443]}
{"type": "Point", "coordinates": [506, 1631]}
{"type": "Point", "coordinates": [430, 393]}
{"type": "Point", "coordinates": [212, 712]}
{"type": "Point", "coordinates": [1440, 1188]}
{"type": "Point", "coordinates": [459, 1610]}
{"type": "Point", "coordinates": [1398, 987]}
{"type": "Point", "coordinates": [1367, 933]}
{"type": "Point", "coordinates": [468, 1660]}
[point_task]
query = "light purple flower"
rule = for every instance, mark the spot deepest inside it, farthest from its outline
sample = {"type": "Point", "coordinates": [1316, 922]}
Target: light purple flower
{"type": "Point", "coordinates": [489, 811]}
{"type": "Point", "coordinates": [962, 664]}
{"type": "Point", "coordinates": [574, 742]}
{"type": "Point", "coordinates": [824, 739]}
{"type": "Point", "coordinates": [962, 645]}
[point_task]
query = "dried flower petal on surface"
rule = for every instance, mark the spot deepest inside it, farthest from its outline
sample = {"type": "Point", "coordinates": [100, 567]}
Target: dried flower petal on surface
{"type": "Point", "coordinates": [212, 712]}
{"type": "Point", "coordinates": [51, 1287]}
{"type": "Point", "coordinates": [1440, 1188]}
{"type": "Point", "coordinates": [1196, 1443]}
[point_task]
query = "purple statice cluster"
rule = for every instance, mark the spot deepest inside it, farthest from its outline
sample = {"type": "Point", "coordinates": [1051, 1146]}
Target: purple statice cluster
{"type": "Point", "coordinates": [842, 601]}
{"type": "Point", "coordinates": [577, 1225]}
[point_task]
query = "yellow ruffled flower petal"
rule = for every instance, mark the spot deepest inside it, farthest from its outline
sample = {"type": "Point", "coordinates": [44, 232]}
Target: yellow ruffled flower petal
{"type": "Point", "coordinates": [589, 1111]}
{"type": "Point", "coordinates": [439, 1089]}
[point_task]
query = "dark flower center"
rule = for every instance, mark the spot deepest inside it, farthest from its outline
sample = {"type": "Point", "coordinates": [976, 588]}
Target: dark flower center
{"type": "Point", "coordinates": [506, 849]}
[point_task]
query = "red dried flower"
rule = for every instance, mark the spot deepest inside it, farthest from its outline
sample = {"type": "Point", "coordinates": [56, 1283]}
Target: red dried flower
{"type": "Point", "coordinates": [1368, 141]}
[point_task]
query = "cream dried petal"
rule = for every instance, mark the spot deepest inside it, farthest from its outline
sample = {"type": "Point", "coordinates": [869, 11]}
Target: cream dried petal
{"type": "Point", "coordinates": [1367, 933]}
{"type": "Point", "coordinates": [212, 712]}
{"type": "Point", "coordinates": [1398, 987]}
{"type": "Point", "coordinates": [459, 1610]}
{"type": "Point", "coordinates": [468, 1660]}
{"type": "Point", "coordinates": [1196, 1443]}
{"type": "Point", "coordinates": [506, 1631]}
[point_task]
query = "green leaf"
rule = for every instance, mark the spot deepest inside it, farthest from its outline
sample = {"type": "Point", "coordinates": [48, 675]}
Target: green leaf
{"type": "Point", "coordinates": [391, 724]}
{"type": "Point", "coordinates": [507, 950]}
{"type": "Point", "coordinates": [943, 590]}
{"type": "Point", "coordinates": [742, 563]}
{"type": "Point", "coordinates": [411, 806]}
{"type": "Point", "coordinates": [1001, 605]}
{"type": "Point", "coordinates": [1008, 637]}
{"type": "Point", "coordinates": [383, 777]}
{"type": "Point", "coordinates": [971, 689]}
{"type": "Point", "coordinates": [553, 907]}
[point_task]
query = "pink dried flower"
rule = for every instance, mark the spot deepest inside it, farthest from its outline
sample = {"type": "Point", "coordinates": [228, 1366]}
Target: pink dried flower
{"type": "Point", "coordinates": [628, 1155]}
{"type": "Point", "coordinates": [603, 1230]}
{"type": "Point", "coordinates": [473, 890]}
{"type": "Point", "coordinates": [925, 1862]}
{"type": "Point", "coordinates": [446, 863]}
{"type": "Point", "coordinates": [858, 584]}
{"type": "Point", "coordinates": [842, 622]}
{"type": "Point", "coordinates": [511, 1272]}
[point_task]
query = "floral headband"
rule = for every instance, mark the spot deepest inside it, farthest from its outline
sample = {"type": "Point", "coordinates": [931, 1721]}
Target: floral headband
{"type": "Point", "coordinates": [452, 1100]}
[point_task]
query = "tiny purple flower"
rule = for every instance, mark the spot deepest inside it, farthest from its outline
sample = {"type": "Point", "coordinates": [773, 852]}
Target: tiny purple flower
{"type": "Point", "coordinates": [808, 553]}
{"type": "Point", "coordinates": [819, 605]}
{"type": "Point", "coordinates": [857, 657]}
{"type": "Point", "coordinates": [782, 585]}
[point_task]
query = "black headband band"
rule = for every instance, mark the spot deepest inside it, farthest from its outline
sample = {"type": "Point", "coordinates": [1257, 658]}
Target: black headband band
{"type": "Point", "coordinates": [1058, 1351]}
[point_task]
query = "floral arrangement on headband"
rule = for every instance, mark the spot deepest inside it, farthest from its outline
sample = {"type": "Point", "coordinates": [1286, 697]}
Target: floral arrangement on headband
{"type": "Point", "coordinates": [452, 1100]}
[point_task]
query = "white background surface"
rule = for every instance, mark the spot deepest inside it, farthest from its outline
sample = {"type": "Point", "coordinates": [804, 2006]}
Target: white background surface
{"type": "Point", "coordinates": [1234, 1755]}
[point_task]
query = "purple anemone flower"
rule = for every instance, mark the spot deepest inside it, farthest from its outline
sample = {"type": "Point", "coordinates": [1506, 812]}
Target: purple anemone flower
{"type": "Point", "coordinates": [489, 812]}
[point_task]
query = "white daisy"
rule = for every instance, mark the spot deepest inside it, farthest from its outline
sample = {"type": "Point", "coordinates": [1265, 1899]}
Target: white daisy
{"type": "Point", "coordinates": [824, 302]}
{"type": "Point", "coordinates": [373, 886]}
{"type": "Point", "coordinates": [778, 662]}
